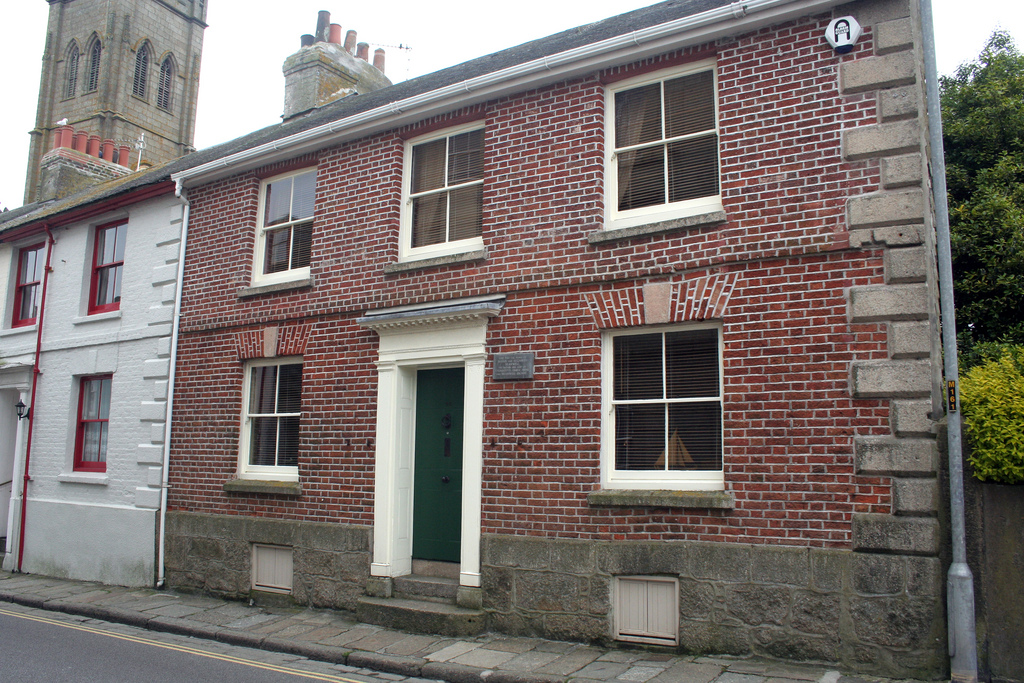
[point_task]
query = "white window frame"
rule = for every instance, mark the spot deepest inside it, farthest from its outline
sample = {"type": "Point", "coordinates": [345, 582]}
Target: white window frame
{"type": "Point", "coordinates": [406, 251]}
{"type": "Point", "coordinates": [245, 469]}
{"type": "Point", "coordinates": [687, 480]}
{"type": "Point", "coordinates": [258, 276]}
{"type": "Point", "coordinates": [615, 219]}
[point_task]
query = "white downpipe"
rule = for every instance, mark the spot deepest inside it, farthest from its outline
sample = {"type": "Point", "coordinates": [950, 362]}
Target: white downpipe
{"type": "Point", "coordinates": [180, 193]}
{"type": "Point", "coordinates": [588, 57]}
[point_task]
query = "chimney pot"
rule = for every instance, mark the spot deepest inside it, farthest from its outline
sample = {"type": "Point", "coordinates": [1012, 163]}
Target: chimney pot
{"type": "Point", "coordinates": [363, 51]}
{"type": "Point", "coordinates": [81, 141]}
{"type": "Point", "coordinates": [335, 36]}
{"type": "Point", "coordinates": [67, 134]}
{"type": "Point", "coordinates": [323, 22]}
{"type": "Point", "coordinates": [305, 40]}
{"type": "Point", "coordinates": [378, 59]}
{"type": "Point", "coordinates": [350, 42]}
{"type": "Point", "coordinates": [123, 152]}
{"type": "Point", "coordinates": [94, 145]}
{"type": "Point", "coordinates": [107, 150]}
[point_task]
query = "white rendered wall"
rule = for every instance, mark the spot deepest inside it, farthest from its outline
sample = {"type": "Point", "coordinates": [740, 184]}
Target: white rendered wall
{"type": "Point", "coordinates": [101, 526]}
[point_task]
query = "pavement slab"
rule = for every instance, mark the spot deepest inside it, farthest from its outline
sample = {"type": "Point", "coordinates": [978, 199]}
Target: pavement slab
{"type": "Point", "coordinates": [571, 662]}
{"type": "Point", "coordinates": [602, 671]}
{"type": "Point", "coordinates": [516, 645]}
{"type": "Point", "coordinates": [484, 658]}
{"type": "Point", "coordinates": [344, 638]}
{"type": "Point", "coordinates": [639, 674]}
{"type": "Point", "coordinates": [452, 651]}
{"type": "Point", "coordinates": [529, 661]}
{"type": "Point", "coordinates": [409, 645]}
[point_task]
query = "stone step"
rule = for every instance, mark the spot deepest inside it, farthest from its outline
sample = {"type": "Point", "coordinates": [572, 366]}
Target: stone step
{"type": "Point", "coordinates": [419, 616]}
{"type": "Point", "coordinates": [448, 570]}
{"type": "Point", "coordinates": [432, 588]}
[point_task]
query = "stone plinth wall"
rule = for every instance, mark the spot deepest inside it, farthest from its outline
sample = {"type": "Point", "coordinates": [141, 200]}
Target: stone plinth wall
{"type": "Point", "coordinates": [880, 614]}
{"type": "Point", "coordinates": [213, 554]}
{"type": "Point", "coordinates": [995, 546]}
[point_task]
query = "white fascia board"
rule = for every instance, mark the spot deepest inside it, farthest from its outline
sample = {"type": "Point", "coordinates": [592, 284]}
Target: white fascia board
{"type": "Point", "coordinates": [736, 18]}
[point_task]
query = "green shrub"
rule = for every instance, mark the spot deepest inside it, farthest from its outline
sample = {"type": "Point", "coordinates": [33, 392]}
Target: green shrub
{"type": "Point", "coordinates": [992, 406]}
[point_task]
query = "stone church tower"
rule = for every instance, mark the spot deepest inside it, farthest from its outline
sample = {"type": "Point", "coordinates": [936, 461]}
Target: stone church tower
{"type": "Point", "coordinates": [116, 70]}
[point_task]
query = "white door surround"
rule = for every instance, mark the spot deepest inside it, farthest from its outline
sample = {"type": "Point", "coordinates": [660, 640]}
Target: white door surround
{"type": "Point", "coordinates": [443, 334]}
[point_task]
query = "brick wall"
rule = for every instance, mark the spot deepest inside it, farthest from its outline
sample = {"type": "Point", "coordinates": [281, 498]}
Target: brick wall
{"type": "Point", "coordinates": [790, 420]}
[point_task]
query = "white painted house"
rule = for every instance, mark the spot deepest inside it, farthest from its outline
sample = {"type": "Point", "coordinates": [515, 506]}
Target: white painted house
{"type": "Point", "coordinates": [96, 392]}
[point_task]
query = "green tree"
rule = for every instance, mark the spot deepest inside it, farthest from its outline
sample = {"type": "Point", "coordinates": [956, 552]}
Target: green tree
{"type": "Point", "coordinates": [983, 136]}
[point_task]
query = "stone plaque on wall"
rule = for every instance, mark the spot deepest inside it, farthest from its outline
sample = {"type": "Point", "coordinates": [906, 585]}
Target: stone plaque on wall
{"type": "Point", "coordinates": [513, 366]}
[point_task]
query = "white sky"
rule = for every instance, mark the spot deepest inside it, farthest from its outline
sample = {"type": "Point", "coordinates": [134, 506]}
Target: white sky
{"type": "Point", "coordinates": [242, 89]}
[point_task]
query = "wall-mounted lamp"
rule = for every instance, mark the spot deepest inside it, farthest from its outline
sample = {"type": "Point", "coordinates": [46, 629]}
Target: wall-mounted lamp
{"type": "Point", "coordinates": [23, 410]}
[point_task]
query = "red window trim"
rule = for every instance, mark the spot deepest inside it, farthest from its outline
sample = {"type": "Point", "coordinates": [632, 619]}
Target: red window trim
{"type": "Point", "coordinates": [96, 267]}
{"type": "Point", "coordinates": [19, 285]}
{"type": "Point", "coordinates": [79, 464]}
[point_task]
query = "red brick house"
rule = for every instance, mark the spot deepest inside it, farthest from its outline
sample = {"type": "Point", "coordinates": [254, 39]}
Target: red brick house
{"type": "Point", "coordinates": [625, 334]}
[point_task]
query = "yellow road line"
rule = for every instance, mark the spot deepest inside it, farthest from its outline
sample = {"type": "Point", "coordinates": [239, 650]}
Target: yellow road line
{"type": "Point", "coordinates": [181, 648]}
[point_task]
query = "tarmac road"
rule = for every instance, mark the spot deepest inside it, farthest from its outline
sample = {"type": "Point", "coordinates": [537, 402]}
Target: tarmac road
{"type": "Point", "coordinates": [44, 647]}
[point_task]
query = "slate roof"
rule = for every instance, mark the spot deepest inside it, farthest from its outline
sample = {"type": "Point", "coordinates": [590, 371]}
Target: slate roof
{"type": "Point", "coordinates": [560, 42]}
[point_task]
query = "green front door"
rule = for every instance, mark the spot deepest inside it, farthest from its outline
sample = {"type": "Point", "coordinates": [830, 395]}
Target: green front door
{"type": "Point", "coordinates": [437, 496]}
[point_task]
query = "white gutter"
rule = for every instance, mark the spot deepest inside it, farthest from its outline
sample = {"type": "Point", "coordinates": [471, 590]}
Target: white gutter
{"type": "Point", "coordinates": [165, 475]}
{"type": "Point", "coordinates": [703, 27]}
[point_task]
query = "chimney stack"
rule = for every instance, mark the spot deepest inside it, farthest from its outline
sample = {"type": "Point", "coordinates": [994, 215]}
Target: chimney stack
{"type": "Point", "coordinates": [324, 70]}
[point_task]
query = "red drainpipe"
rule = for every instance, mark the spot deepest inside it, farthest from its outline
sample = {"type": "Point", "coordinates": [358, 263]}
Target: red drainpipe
{"type": "Point", "coordinates": [35, 378]}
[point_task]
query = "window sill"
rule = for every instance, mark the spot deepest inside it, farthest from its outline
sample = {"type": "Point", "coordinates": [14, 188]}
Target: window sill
{"type": "Point", "coordinates": [280, 488]}
{"type": "Point", "coordinates": [18, 330]}
{"type": "Point", "coordinates": [702, 220]}
{"type": "Point", "coordinates": [450, 259]}
{"type": "Point", "coordinates": [631, 498]}
{"type": "Point", "coordinates": [97, 317]}
{"type": "Point", "coordinates": [257, 290]}
{"type": "Point", "coordinates": [95, 478]}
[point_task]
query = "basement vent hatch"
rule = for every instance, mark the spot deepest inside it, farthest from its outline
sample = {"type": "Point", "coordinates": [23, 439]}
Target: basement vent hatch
{"type": "Point", "coordinates": [272, 568]}
{"type": "Point", "coordinates": [647, 610]}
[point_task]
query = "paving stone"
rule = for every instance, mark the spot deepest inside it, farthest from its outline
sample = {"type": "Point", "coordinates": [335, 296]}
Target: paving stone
{"type": "Point", "coordinates": [351, 636]}
{"type": "Point", "coordinates": [602, 671]}
{"type": "Point", "coordinates": [378, 641]}
{"type": "Point", "coordinates": [529, 661]}
{"type": "Point", "coordinates": [570, 662]}
{"type": "Point", "coordinates": [516, 645]}
{"type": "Point", "coordinates": [689, 672]}
{"type": "Point", "coordinates": [249, 622]}
{"type": "Point", "coordinates": [452, 651]}
{"type": "Point", "coordinates": [484, 658]}
{"type": "Point", "coordinates": [620, 656]}
{"type": "Point", "coordinates": [641, 674]}
{"type": "Point", "coordinates": [287, 631]}
{"type": "Point", "coordinates": [555, 646]}
{"type": "Point", "coordinates": [735, 677]}
{"type": "Point", "coordinates": [176, 611]}
{"type": "Point", "coordinates": [323, 633]}
{"type": "Point", "coordinates": [410, 645]}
